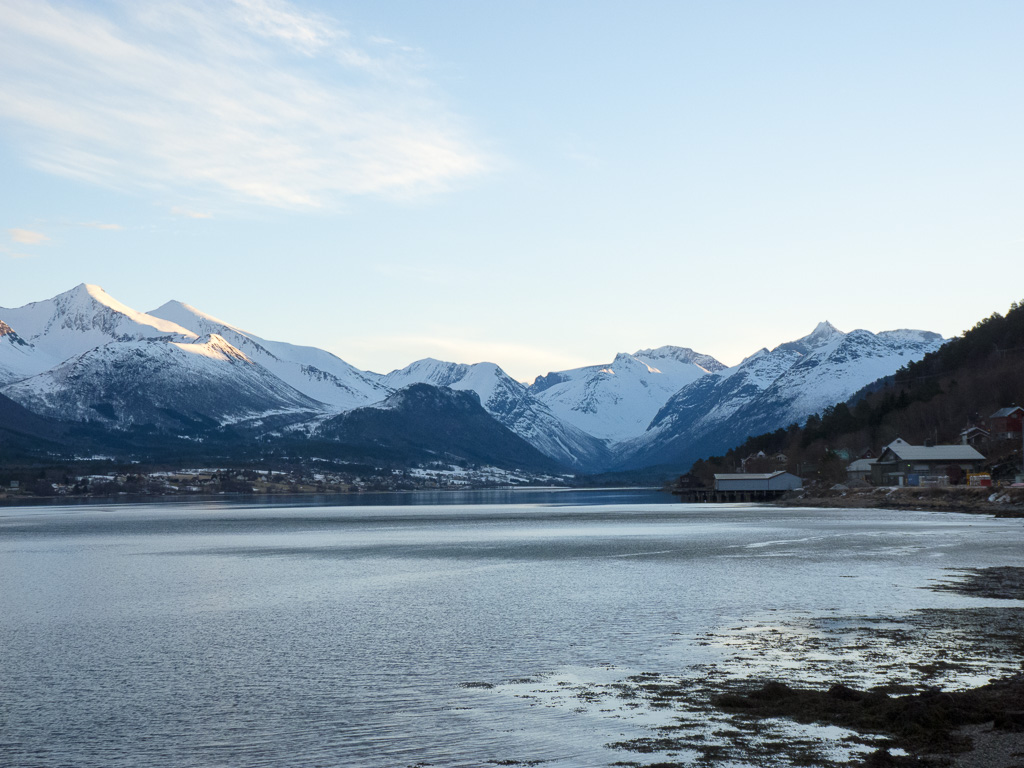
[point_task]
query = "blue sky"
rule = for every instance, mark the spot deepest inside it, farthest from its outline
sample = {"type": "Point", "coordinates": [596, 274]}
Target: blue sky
{"type": "Point", "coordinates": [538, 184]}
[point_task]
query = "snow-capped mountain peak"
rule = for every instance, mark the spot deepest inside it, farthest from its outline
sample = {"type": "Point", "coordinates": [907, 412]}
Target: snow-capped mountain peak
{"type": "Point", "coordinates": [617, 401]}
{"type": "Point", "coordinates": [314, 372]}
{"type": "Point", "coordinates": [906, 337]}
{"type": "Point", "coordinates": [823, 330]}
{"type": "Point", "coordinates": [74, 322]}
{"type": "Point", "coordinates": [90, 311]}
{"type": "Point", "coordinates": [189, 317]}
{"type": "Point", "coordinates": [772, 389]}
{"type": "Point", "coordinates": [624, 361]}
{"type": "Point", "coordinates": [823, 333]}
{"type": "Point", "coordinates": [429, 370]}
{"type": "Point", "coordinates": [670, 356]}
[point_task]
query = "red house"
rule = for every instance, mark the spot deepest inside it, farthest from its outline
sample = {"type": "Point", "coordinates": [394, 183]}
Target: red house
{"type": "Point", "coordinates": [1007, 423]}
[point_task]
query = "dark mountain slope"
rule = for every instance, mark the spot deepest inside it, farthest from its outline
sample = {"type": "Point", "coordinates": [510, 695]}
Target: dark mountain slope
{"type": "Point", "coordinates": [23, 432]}
{"type": "Point", "coordinates": [427, 423]}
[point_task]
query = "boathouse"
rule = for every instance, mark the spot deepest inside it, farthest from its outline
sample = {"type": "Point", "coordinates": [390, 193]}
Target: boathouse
{"type": "Point", "coordinates": [753, 483]}
{"type": "Point", "coordinates": [744, 487]}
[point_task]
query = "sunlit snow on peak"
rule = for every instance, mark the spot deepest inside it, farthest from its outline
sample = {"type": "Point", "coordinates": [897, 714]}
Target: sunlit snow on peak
{"type": "Point", "coordinates": [214, 347]}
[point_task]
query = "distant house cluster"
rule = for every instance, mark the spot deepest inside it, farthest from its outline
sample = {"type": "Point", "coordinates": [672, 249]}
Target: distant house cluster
{"type": "Point", "coordinates": [901, 463]}
{"type": "Point", "coordinates": [1004, 424]}
{"type": "Point", "coordinates": [987, 451]}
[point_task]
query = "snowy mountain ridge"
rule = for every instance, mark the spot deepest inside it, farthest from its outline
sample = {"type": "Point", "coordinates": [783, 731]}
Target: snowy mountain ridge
{"type": "Point", "coordinates": [773, 389]}
{"type": "Point", "coordinates": [169, 384]}
{"type": "Point", "coordinates": [314, 372]}
{"type": "Point", "coordinates": [512, 404]}
{"type": "Point", "coordinates": [617, 401]}
{"type": "Point", "coordinates": [83, 356]}
{"type": "Point", "coordinates": [72, 323]}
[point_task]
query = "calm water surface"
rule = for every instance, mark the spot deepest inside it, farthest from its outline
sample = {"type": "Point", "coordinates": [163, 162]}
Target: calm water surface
{"type": "Point", "coordinates": [251, 635]}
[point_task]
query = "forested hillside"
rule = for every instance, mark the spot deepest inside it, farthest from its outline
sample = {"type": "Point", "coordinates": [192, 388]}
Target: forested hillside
{"type": "Point", "coordinates": [962, 383]}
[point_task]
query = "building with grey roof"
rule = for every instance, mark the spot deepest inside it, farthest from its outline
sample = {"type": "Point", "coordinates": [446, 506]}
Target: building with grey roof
{"type": "Point", "coordinates": [902, 463]}
{"type": "Point", "coordinates": [768, 481]}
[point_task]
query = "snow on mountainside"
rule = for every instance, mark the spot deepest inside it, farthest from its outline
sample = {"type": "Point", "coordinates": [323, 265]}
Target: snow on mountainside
{"type": "Point", "coordinates": [79, 320]}
{"type": "Point", "coordinates": [617, 401]}
{"type": "Point", "coordinates": [714, 399]}
{"type": "Point", "coordinates": [7, 334]}
{"type": "Point", "coordinates": [823, 333]}
{"type": "Point", "coordinates": [512, 404]}
{"type": "Point", "coordinates": [424, 421]}
{"type": "Point", "coordinates": [677, 360]}
{"type": "Point", "coordinates": [912, 341]}
{"type": "Point", "coordinates": [203, 382]}
{"type": "Point", "coordinates": [831, 373]}
{"type": "Point", "coordinates": [430, 371]}
{"type": "Point", "coordinates": [314, 372]}
{"type": "Point", "coordinates": [16, 355]}
{"type": "Point", "coordinates": [84, 356]}
{"type": "Point", "coordinates": [772, 389]}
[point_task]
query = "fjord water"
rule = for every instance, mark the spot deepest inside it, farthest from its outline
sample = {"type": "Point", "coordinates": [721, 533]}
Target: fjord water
{"type": "Point", "coordinates": [298, 635]}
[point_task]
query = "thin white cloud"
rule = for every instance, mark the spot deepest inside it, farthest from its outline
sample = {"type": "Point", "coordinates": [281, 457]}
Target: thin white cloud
{"type": "Point", "coordinates": [307, 33]}
{"type": "Point", "coordinates": [27, 237]}
{"type": "Point", "coordinates": [15, 254]}
{"type": "Point", "coordinates": [190, 214]}
{"type": "Point", "coordinates": [255, 99]}
{"type": "Point", "coordinates": [100, 225]}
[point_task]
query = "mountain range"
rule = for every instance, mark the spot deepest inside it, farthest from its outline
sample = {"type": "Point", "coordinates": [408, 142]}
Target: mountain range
{"type": "Point", "coordinates": [84, 361]}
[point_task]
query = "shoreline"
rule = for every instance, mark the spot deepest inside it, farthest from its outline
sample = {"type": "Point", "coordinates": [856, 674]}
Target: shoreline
{"type": "Point", "coordinates": [977, 727]}
{"type": "Point", "coordinates": [915, 700]}
{"type": "Point", "coordinates": [996, 501]}
{"type": "Point", "coordinates": [284, 498]}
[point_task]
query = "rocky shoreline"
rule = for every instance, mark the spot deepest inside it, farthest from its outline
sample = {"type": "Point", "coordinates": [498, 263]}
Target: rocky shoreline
{"type": "Point", "coordinates": [998, 501]}
{"type": "Point", "coordinates": [937, 688]}
{"type": "Point", "coordinates": [980, 727]}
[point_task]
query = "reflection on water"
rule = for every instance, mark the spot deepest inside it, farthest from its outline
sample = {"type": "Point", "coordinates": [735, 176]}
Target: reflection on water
{"type": "Point", "coordinates": [405, 634]}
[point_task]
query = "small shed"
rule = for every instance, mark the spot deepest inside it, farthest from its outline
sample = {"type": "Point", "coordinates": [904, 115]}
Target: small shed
{"type": "Point", "coordinates": [859, 469]}
{"type": "Point", "coordinates": [974, 435]}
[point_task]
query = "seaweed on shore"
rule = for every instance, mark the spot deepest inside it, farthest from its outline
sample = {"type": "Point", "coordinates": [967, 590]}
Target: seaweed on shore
{"type": "Point", "coordinates": [999, 583]}
{"type": "Point", "coordinates": [922, 723]}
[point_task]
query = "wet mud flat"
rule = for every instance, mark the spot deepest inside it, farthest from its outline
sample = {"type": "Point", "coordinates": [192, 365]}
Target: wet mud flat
{"type": "Point", "coordinates": [937, 687]}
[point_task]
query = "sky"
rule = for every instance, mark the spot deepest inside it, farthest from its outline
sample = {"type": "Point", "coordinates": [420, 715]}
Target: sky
{"type": "Point", "coordinates": [535, 184]}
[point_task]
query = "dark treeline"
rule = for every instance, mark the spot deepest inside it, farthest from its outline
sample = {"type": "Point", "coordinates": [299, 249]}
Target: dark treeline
{"type": "Point", "coordinates": [961, 383]}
